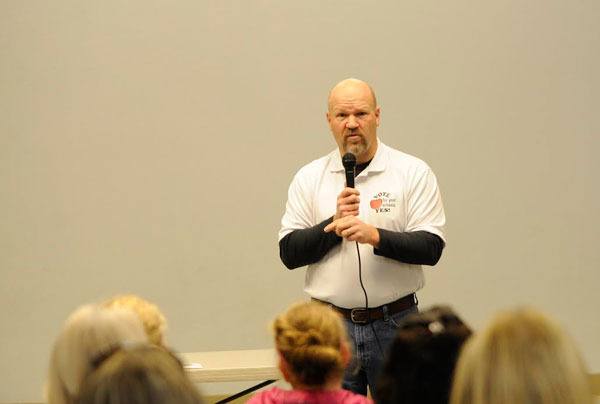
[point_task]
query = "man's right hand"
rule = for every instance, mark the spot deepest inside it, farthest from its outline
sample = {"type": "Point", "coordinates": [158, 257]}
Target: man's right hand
{"type": "Point", "coordinates": [347, 203]}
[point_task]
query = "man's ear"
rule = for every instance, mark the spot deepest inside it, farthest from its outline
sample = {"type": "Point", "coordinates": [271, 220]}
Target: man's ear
{"type": "Point", "coordinates": [327, 116]}
{"type": "Point", "coordinates": [377, 112]}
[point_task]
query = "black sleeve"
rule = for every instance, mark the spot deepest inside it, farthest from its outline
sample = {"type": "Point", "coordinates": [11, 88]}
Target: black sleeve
{"type": "Point", "coordinates": [418, 247]}
{"type": "Point", "coordinates": [307, 246]}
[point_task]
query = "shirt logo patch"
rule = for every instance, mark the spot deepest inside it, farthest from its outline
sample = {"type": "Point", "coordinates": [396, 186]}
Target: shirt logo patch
{"type": "Point", "coordinates": [382, 202]}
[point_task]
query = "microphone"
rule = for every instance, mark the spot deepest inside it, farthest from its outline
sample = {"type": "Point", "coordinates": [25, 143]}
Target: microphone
{"type": "Point", "coordinates": [349, 162]}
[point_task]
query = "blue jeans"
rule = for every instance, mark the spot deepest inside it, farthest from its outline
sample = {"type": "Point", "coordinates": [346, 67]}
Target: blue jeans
{"type": "Point", "coordinates": [370, 350]}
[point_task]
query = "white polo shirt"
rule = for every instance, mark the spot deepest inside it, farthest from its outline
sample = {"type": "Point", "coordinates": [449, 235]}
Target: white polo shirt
{"type": "Point", "coordinates": [398, 192]}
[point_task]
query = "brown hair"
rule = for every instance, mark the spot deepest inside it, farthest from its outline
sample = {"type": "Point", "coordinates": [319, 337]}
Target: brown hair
{"type": "Point", "coordinates": [142, 374]}
{"type": "Point", "coordinates": [309, 337]}
{"type": "Point", "coordinates": [421, 359]}
{"type": "Point", "coordinates": [522, 356]}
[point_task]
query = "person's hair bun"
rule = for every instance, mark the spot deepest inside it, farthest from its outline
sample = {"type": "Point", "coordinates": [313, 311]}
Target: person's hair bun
{"type": "Point", "coordinates": [309, 337]}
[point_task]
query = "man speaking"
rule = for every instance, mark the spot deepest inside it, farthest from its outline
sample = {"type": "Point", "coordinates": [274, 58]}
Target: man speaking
{"type": "Point", "coordinates": [364, 242]}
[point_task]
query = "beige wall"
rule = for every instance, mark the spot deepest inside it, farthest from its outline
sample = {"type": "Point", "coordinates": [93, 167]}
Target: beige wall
{"type": "Point", "coordinates": [148, 146]}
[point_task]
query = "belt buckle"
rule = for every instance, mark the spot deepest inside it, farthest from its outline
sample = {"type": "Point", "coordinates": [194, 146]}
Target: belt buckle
{"type": "Point", "coordinates": [357, 320]}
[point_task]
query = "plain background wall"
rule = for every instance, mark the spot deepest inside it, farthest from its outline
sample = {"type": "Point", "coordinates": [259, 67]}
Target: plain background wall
{"type": "Point", "coordinates": [147, 147]}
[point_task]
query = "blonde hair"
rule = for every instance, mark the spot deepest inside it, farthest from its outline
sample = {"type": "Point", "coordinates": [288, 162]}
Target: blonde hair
{"type": "Point", "coordinates": [87, 333]}
{"type": "Point", "coordinates": [151, 316]}
{"type": "Point", "coordinates": [522, 356]}
{"type": "Point", "coordinates": [143, 374]}
{"type": "Point", "coordinates": [309, 337]}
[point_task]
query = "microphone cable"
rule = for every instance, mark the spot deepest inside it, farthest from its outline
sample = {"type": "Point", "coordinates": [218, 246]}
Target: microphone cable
{"type": "Point", "coordinates": [349, 163]}
{"type": "Point", "coordinates": [367, 300]}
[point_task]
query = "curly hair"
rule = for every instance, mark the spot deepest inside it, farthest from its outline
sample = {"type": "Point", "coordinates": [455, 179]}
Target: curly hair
{"type": "Point", "coordinates": [154, 321]}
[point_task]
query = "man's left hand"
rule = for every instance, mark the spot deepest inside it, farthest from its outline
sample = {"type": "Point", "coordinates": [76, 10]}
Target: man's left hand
{"type": "Point", "coordinates": [353, 229]}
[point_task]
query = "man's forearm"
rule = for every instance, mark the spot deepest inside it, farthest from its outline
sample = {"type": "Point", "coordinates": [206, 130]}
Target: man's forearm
{"type": "Point", "coordinates": [418, 247]}
{"type": "Point", "coordinates": [307, 246]}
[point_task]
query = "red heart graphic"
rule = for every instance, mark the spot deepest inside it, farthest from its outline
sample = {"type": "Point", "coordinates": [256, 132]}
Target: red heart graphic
{"type": "Point", "coordinates": [376, 203]}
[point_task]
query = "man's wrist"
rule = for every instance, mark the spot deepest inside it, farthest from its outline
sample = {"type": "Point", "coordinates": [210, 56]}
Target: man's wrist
{"type": "Point", "coordinates": [375, 238]}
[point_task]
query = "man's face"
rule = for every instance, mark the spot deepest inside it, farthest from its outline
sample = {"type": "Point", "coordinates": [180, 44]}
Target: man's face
{"type": "Point", "coordinates": [353, 119]}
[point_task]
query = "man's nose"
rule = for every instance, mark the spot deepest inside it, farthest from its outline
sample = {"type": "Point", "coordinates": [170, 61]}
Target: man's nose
{"type": "Point", "coordinates": [351, 123]}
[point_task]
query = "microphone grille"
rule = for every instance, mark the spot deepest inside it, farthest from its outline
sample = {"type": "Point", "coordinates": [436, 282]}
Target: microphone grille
{"type": "Point", "coordinates": [349, 160]}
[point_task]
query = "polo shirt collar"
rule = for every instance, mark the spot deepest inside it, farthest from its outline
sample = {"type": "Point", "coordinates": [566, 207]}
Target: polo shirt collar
{"type": "Point", "coordinates": [377, 164]}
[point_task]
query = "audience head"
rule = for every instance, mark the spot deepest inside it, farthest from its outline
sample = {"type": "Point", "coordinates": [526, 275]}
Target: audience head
{"type": "Point", "coordinates": [87, 333]}
{"type": "Point", "coordinates": [139, 374]}
{"type": "Point", "coordinates": [312, 344]}
{"type": "Point", "coordinates": [421, 359]}
{"type": "Point", "coordinates": [152, 318]}
{"type": "Point", "coordinates": [522, 356]}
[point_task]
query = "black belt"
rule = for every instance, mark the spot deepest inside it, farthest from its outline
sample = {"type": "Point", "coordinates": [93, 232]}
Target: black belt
{"type": "Point", "coordinates": [364, 316]}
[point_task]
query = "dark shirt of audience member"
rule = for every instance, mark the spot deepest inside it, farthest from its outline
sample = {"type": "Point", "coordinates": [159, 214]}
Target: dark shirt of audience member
{"type": "Point", "coordinates": [87, 332]}
{"type": "Point", "coordinates": [152, 318]}
{"type": "Point", "coordinates": [521, 357]}
{"type": "Point", "coordinates": [313, 349]}
{"type": "Point", "coordinates": [421, 359]}
{"type": "Point", "coordinates": [139, 374]}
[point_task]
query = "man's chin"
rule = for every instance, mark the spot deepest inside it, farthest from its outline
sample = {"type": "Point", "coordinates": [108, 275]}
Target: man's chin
{"type": "Point", "coordinates": [356, 149]}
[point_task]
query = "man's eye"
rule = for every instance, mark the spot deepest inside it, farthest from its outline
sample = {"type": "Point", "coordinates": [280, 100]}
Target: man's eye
{"type": "Point", "coordinates": [341, 115]}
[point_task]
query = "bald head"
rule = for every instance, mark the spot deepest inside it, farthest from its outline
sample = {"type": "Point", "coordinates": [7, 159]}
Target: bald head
{"type": "Point", "coordinates": [351, 86]}
{"type": "Point", "coordinates": [353, 117]}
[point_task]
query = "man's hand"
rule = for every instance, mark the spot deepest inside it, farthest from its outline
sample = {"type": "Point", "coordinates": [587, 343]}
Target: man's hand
{"type": "Point", "coordinates": [347, 203]}
{"type": "Point", "coordinates": [353, 229]}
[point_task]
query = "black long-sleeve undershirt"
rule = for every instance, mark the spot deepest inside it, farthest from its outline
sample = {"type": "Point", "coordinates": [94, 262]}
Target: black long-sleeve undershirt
{"type": "Point", "coordinates": [307, 246]}
{"type": "Point", "coordinates": [415, 247]}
